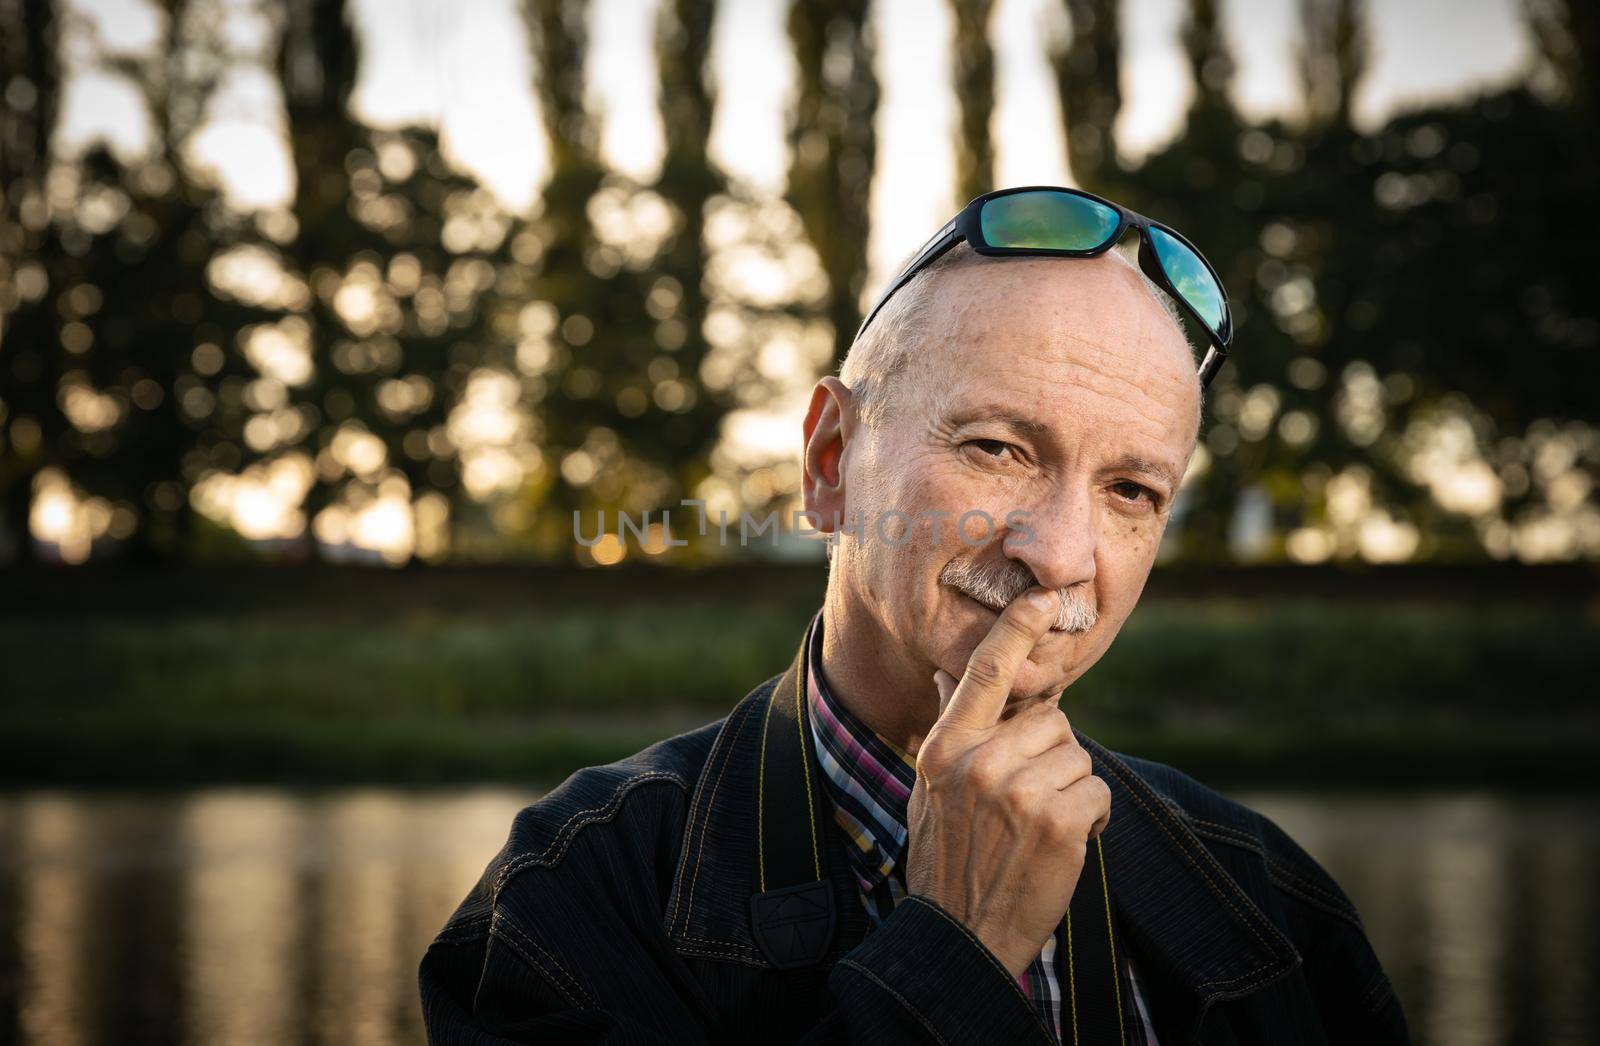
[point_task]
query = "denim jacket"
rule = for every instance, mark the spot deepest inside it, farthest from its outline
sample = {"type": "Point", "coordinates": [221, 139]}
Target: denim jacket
{"type": "Point", "coordinates": [626, 908]}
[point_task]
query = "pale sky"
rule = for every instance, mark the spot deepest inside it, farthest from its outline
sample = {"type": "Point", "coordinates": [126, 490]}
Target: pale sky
{"type": "Point", "coordinates": [464, 67]}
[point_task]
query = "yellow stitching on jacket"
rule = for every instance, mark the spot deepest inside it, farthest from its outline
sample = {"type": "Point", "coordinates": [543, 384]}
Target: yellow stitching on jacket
{"type": "Point", "coordinates": [1072, 981]}
{"type": "Point", "coordinates": [1116, 977]}
{"type": "Point", "coordinates": [761, 800]}
{"type": "Point", "coordinates": [805, 762]}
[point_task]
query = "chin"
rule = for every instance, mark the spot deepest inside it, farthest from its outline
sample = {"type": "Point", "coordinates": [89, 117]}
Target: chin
{"type": "Point", "coordinates": [1037, 681]}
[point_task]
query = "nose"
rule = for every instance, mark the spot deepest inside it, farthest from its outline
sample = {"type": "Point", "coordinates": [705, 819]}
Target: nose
{"type": "Point", "coordinates": [1057, 537]}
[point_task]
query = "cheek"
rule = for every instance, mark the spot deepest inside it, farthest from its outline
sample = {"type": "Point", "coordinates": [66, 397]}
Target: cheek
{"type": "Point", "coordinates": [929, 493]}
{"type": "Point", "coordinates": [882, 504]}
{"type": "Point", "coordinates": [1127, 552]}
{"type": "Point", "coordinates": [947, 493]}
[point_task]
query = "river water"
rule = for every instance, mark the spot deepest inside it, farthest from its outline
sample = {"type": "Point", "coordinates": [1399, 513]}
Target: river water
{"type": "Point", "coordinates": [256, 916]}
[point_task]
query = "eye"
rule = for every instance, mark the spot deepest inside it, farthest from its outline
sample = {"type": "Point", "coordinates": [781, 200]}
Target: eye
{"type": "Point", "coordinates": [993, 448]}
{"type": "Point", "coordinates": [1134, 492]}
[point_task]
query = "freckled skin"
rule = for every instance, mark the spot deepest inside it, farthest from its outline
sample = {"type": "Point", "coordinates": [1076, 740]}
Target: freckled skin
{"type": "Point", "coordinates": [1091, 371]}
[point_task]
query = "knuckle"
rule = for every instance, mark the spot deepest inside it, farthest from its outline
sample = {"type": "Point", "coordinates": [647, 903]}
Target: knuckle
{"type": "Point", "coordinates": [1059, 825]}
{"type": "Point", "coordinates": [984, 668]}
{"type": "Point", "coordinates": [939, 754]}
{"type": "Point", "coordinates": [1021, 798]}
{"type": "Point", "coordinates": [1101, 793]}
{"type": "Point", "coordinates": [985, 771]}
{"type": "Point", "coordinates": [1045, 710]}
{"type": "Point", "coordinates": [1015, 624]}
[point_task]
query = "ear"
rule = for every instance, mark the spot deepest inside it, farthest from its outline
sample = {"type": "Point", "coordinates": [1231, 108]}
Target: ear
{"type": "Point", "coordinates": [830, 425]}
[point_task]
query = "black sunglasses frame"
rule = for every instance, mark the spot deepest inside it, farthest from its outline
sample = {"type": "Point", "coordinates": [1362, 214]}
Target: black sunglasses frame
{"type": "Point", "coordinates": [967, 226]}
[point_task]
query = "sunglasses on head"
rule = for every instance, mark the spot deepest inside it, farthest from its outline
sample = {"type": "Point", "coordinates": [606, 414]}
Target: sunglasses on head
{"type": "Point", "coordinates": [1054, 221]}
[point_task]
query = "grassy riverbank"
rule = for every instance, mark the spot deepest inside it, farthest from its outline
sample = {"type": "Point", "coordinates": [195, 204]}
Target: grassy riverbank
{"type": "Point", "coordinates": [1278, 688]}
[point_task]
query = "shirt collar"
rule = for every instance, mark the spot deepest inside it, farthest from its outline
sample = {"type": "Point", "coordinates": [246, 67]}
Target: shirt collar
{"type": "Point", "coordinates": [868, 777]}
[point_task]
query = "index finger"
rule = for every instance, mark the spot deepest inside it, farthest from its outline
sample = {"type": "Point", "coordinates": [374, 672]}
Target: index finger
{"type": "Point", "coordinates": [981, 695]}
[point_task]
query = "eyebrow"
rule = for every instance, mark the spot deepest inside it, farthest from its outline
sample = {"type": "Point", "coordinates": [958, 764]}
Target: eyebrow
{"type": "Point", "coordinates": [1134, 463]}
{"type": "Point", "coordinates": [1012, 420]}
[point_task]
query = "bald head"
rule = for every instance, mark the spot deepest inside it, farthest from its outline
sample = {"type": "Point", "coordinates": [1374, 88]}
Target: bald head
{"type": "Point", "coordinates": [915, 320]}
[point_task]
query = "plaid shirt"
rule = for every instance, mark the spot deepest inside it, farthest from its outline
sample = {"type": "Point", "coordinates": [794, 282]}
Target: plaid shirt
{"type": "Point", "coordinates": [870, 779]}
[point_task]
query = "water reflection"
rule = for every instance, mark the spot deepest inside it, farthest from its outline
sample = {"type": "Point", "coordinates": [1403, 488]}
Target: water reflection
{"type": "Point", "coordinates": [238, 921]}
{"type": "Point", "coordinates": [230, 916]}
{"type": "Point", "coordinates": [53, 924]}
{"type": "Point", "coordinates": [1481, 907]}
{"type": "Point", "coordinates": [267, 915]}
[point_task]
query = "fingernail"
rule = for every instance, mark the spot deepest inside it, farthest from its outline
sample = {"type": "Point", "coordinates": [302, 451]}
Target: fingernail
{"type": "Point", "coordinates": [1042, 600]}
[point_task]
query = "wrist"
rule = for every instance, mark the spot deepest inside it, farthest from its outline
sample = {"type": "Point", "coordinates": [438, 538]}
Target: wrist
{"type": "Point", "coordinates": [965, 995]}
{"type": "Point", "coordinates": [1015, 956]}
{"type": "Point", "coordinates": [1009, 951]}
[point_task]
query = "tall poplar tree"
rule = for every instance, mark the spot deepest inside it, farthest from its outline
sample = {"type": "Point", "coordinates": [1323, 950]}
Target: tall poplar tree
{"type": "Point", "coordinates": [835, 148]}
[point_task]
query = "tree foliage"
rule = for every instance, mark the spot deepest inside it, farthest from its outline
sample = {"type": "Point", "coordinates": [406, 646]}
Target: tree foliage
{"type": "Point", "coordinates": [410, 370]}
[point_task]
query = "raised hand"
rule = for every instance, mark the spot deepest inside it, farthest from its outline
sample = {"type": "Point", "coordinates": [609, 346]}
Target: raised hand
{"type": "Point", "coordinates": [1003, 809]}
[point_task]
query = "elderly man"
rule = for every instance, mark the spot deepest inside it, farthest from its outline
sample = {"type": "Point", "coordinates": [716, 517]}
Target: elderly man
{"type": "Point", "coordinates": [901, 838]}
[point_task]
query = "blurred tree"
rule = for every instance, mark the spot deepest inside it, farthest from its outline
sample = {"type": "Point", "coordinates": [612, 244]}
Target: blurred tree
{"type": "Point", "coordinates": [1211, 65]}
{"type": "Point", "coordinates": [612, 320]}
{"type": "Point", "coordinates": [316, 68]}
{"type": "Point", "coordinates": [835, 148]}
{"type": "Point", "coordinates": [1410, 335]}
{"type": "Point", "coordinates": [1088, 80]}
{"type": "Point", "coordinates": [1412, 375]}
{"type": "Point", "coordinates": [974, 91]}
{"type": "Point", "coordinates": [157, 333]}
{"type": "Point", "coordinates": [676, 300]}
{"type": "Point", "coordinates": [1197, 184]}
{"type": "Point", "coordinates": [34, 262]}
{"type": "Point", "coordinates": [1332, 58]}
{"type": "Point", "coordinates": [615, 334]}
{"type": "Point", "coordinates": [400, 253]}
{"type": "Point", "coordinates": [1567, 36]}
{"type": "Point", "coordinates": [561, 249]}
{"type": "Point", "coordinates": [134, 366]}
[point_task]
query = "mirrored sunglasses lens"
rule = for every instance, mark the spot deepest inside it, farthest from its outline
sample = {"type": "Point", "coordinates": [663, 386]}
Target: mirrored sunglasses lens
{"type": "Point", "coordinates": [1053, 220]}
{"type": "Point", "coordinates": [1191, 278]}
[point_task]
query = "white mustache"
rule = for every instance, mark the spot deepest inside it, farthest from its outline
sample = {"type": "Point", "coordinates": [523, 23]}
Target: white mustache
{"type": "Point", "coordinates": [996, 585]}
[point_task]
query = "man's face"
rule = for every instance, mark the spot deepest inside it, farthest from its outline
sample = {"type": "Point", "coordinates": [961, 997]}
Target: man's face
{"type": "Point", "coordinates": [1054, 398]}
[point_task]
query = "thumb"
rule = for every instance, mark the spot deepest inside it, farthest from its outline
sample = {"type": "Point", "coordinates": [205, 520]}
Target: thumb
{"type": "Point", "coordinates": [947, 686]}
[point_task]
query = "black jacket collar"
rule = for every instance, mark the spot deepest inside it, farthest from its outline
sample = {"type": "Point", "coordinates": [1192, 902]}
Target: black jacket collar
{"type": "Point", "coordinates": [1226, 948]}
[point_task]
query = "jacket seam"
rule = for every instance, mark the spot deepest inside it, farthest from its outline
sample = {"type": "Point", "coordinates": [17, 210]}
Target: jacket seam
{"type": "Point", "coordinates": [728, 947]}
{"type": "Point", "coordinates": [901, 999]}
{"type": "Point", "coordinates": [1379, 993]}
{"type": "Point", "coordinates": [536, 956]}
{"type": "Point", "coordinates": [718, 956]}
{"type": "Point", "coordinates": [719, 750]}
{"type": "Point", "coordinates": [1281, 874]}
{"type": "Point", "coordinates": [1311, 894]}
{"type": "Point", "coordinates": [726, 739]}
{"type": "Point", "coordinates": [467, 930]}
{"type": "Point", "coordinates": [557, 849]}
{"type": "Point", "coordinates": [1259, 976]}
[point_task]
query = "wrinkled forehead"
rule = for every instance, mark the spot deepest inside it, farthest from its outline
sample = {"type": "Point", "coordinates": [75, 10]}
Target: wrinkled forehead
{"type": "Point", "coordinates": [1071, 338]}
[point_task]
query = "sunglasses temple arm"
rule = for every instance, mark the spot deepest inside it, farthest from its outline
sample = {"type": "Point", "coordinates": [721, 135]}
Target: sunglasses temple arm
{"type": "Point", "coordinates": [941, 241]}
{"type": "Point", "coordinates": [1214, 359]}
